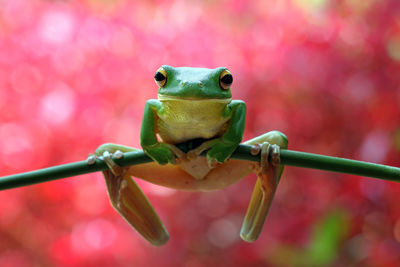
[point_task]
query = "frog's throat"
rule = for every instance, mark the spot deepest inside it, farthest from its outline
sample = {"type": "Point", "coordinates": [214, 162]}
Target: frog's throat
{"type": "Point", "coordinates": [177, 98]}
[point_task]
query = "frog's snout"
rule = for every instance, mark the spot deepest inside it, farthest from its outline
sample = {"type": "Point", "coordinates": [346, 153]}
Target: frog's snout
{"type": "Point", "coordinates": [192, 85]}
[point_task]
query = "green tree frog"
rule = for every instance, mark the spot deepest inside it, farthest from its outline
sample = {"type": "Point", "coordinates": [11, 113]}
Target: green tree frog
{"type": "Point", "coordinates": [194, 108]}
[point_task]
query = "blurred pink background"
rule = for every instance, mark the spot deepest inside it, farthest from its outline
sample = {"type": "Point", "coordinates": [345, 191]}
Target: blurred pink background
{"type": "Point", "coordinates": [76, 74]}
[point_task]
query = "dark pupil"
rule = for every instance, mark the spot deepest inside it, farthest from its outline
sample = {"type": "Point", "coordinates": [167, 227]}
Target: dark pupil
{"type": "Point", "coordinates": [227, 79]}
{"type": "Point", "coordinates": [159, 77]}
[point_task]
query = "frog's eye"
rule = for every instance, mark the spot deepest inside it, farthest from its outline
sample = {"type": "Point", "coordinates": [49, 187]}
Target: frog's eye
{"type": "Point", "coordinates": [225, 79]}
{"type": "Point", "coordinates": [160, 77]}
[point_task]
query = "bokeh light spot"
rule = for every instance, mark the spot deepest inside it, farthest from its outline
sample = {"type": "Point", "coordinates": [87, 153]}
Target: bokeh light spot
{"type": "Point", "coordinates": [56, 27]}
{"type": "Point", "coordinates": [94, 235]}
{"type": "Point", "coordinates": [213, 204]}
{"type": "Point", "coordinates": [223, 233]}
{"type": "Point", "coordinates": [311, 5]}
{"type": "Point", "coordinates": [358, 247]}
{"type": "Point", "coordinates": [58, 105]}
{"type": "Point", "coordinates": [17, 139]}
{"type": "Point", "coordinates": [359, 87]}
{"type": "Point", "coordinates": [396, 230]}
{"type": "Point", "coordinates": [375, 146]}
{"type": "Point", "coordinates": [99, 233]}
{"type": "Point", "coordinates": [372, 189]}
{"type": "Point", "coordinates": [354, 32]}
{"type": "Point", "coordinates": [360, 6]}
{"type": "Point", "coordinates": [393, 47]}
{"type": "Point", "coordinates": [16, 145]}
{"type": "Point", "coordinates": [397, 139]}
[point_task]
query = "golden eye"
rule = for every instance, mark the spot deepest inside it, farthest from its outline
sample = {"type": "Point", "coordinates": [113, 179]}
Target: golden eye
{"type": "Point", "coordinates": [225, 79]}
{"type": "Point", "coordinates": [160, 77]}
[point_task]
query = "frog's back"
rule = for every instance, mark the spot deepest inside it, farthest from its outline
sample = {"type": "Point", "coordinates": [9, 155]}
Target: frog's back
{"type": "Point", "coordinates": [183, 120]}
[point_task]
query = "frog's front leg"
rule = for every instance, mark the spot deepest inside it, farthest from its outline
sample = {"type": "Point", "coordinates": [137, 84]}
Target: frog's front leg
{"type": "Point", "coordinates": [128, 199]}
{"type": "Point", "coordinates": [221, 148]}
{"type": "Point", "coordinates": [161, 153]}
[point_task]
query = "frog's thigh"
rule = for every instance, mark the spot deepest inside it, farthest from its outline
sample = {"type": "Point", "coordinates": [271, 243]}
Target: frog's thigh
{"type": "Point", "coordinates": [165, 175]}
{"type": "Point", "coordinates": [173, 176]}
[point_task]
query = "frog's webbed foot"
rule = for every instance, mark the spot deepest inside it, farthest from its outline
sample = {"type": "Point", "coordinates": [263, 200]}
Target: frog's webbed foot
{"type": "Point", "coordinates": [129, 201]}
{"type": "Point", "coordinates": [268, 174]}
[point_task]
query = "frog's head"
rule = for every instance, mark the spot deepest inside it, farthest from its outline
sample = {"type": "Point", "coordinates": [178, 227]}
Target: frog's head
{"type": "Point", "coordinates": [193, 83]}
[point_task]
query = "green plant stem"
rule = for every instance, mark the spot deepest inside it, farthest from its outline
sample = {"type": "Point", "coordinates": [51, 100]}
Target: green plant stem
{"type": "Point", "coordinates": [288, 157]}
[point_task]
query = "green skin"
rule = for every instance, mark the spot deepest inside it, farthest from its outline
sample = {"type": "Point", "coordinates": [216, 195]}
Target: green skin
{"type": "Point", "coordinates": [193, 84]}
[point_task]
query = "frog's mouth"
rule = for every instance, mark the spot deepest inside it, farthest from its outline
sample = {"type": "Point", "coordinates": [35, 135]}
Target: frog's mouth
{"type": "Point", "coordinates": [176, 98]}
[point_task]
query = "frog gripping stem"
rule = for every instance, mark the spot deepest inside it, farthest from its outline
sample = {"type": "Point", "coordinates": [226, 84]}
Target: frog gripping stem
{"type": "Point", "coordinates": [264, 191]}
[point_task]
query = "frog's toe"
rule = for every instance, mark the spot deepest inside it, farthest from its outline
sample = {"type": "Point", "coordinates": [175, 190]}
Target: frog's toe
{"type": "Point", "coordinates": [91, 159]}
{"type": "Point", "coordinates": [176, 152]}
{"type": "Point", "coordinates": [103, 148]}
{"type": "Point", "coordinates": [114, 167]}
{"type": "Point", "coordinates": [118, 154]}
{"type": "Point", "coordinates": [212, 162]}
{"type": "Point", "coordinates": [217, 157]}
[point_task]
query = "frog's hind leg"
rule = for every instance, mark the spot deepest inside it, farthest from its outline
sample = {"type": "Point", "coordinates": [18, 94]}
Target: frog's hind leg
{"type": "Point", "coordinates": [267, 182]}
{"type": "Point", "coordinates": [129, 201]}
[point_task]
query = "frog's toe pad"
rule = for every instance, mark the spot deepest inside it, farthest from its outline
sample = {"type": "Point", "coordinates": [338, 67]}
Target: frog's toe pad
{"type": "Point", "coordinates": [114, 168]}
{"type": "Point", "coordinates": [91, 159]}
{"type": "Point", "coordinates": [275, 152]}
{"type": "Point", "coordinates": [118, 154]}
